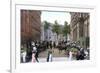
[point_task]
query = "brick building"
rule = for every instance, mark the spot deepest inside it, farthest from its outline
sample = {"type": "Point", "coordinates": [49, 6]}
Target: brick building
{"type": "Point", "coordinates": [30, 26]}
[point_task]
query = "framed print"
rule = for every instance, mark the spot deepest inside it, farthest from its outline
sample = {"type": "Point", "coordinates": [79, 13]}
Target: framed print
{"type": "Point", "coordinates": [49, 36]}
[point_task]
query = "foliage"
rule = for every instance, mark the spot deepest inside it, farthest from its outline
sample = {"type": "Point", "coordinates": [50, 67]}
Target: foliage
{"type": "Point", "coordinates": [66, 29]}
{"type": "Point", "coordinates": [56, 28]}
{"type": "Point", "coordinates": [46, 25]}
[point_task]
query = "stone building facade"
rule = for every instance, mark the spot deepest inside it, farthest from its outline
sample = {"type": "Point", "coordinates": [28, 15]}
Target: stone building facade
{"type": "Point", "coordinates": [80, 28]}
{"type": "Point", "coordinates": [30, 26]}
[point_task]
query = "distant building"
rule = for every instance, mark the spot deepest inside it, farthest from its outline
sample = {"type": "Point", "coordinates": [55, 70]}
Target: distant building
{"type": "Point", "coordinates": [30, 26]}
{"type": "Point", "coordinates": [48, 34]}
{"type": "Point", "coordinates": [80, 28]}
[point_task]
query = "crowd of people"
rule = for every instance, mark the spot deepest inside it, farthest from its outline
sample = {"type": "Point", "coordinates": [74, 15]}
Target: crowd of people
{"type": "Point", "coordinates": [38, 47]}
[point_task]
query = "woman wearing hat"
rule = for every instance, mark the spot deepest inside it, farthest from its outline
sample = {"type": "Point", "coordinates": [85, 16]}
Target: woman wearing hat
{"type": "Point", "coordinates": [34, 53]}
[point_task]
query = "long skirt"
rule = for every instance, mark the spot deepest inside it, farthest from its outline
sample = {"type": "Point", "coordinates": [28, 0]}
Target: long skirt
{"type": "Point", "coordinates": [33, 57]}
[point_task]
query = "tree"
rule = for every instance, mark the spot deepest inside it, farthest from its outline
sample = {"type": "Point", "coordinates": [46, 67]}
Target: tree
{"type": "Point", "coordinates": [46, 25]}
{"type": "Point", "coordinates": [66, 29]}
{"type": "Point", "coordinates": [56, 28]}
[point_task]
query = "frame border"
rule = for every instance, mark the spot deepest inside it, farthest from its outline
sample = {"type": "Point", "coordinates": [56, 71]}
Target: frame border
{"type": "Point", "coordinates": [13, 69]}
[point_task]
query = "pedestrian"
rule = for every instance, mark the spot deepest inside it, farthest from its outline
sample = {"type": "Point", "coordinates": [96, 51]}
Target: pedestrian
{"type": "Point", "coordinates": [33, 57]}
{"type": "Point", "coordinates": [54, 44]}
{"type": "Point", "coordinates": [86, 54]}
{"type": "Point", "coordinates": [34, 53]}
{"type": "Point", "coordinates": [36, 56]}
{"type": "Point", "coordinates": [49, 57]}
{"type": "Point", "coordinates": [37, 51]}
{"type": "Point", "coordinates": [78, 55]}
{"type": "Point", "coordinates": [70, 55]}
{"type": "Point", "coordinates": [82, 54]}
{"type": "Point", "coordinates": [24, 56]}
{"type": "Point", "coordinates": [50, 44]}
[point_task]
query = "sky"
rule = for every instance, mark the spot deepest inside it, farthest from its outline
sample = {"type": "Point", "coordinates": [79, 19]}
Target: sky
{"type": "Point", "coordinates": [61, 17]}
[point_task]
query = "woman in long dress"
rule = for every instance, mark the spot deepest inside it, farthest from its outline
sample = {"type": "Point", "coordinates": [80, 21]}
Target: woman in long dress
{"type": "Point", "coordinates": [70, 55]}
{"type": "Point", "coordinates": [33, 57]}
{"type": "Point", "coordinates": [24, 56]}
{"type": "Point", "coordinates": [33, 52]}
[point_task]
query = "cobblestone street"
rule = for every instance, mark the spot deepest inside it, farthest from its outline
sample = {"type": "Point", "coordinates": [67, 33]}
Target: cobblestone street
{"type": "Point", "coordinates": [57, 56]}
{"type": "Point", "coordinates": [55, 53]}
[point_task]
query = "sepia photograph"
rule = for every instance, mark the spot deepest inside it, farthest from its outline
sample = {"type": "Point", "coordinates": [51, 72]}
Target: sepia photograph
{"type": "Point", "coordinates": [54, 36]}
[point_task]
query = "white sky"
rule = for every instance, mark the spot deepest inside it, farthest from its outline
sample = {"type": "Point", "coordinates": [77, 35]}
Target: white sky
{"type": "Point", "coordinates": [61, 17]}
